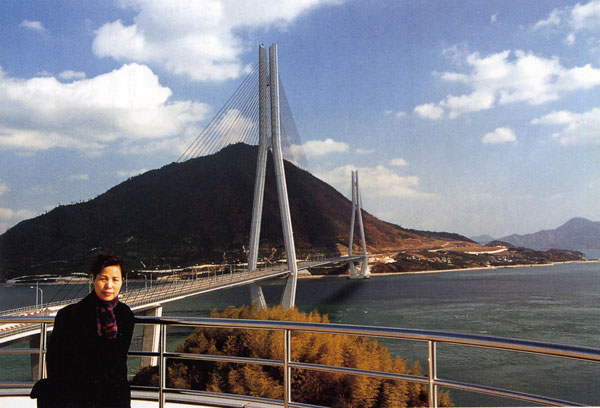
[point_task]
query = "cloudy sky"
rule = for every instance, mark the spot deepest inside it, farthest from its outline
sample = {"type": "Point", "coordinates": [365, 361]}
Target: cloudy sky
{"type": "Point", "coordinates": [476, 117]}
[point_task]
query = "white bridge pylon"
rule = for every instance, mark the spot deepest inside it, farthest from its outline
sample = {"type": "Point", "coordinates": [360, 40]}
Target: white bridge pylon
{"type": "Point", "coordinates": [357, 213]}
{"type": "Point", "coordinates": [270, 100]}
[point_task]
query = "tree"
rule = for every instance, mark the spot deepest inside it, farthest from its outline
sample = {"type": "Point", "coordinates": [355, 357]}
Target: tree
{"type": "Point", "coordinates": [311, 387]}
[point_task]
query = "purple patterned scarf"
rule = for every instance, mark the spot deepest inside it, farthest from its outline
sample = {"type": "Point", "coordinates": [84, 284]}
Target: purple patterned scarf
{"type": "Point", "coordinates": [106, 319]}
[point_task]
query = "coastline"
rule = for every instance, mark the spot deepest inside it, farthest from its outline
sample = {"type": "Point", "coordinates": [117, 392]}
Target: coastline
{"type": "Point", "coordinates": [434, 271]}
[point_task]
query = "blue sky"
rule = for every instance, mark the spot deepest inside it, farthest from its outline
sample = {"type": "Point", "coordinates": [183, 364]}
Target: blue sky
{"type": "Point", "coordinates": [475, 117]}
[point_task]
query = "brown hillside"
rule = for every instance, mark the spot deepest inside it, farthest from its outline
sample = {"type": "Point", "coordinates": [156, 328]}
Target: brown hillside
{"type": "Point", "coordinates": [196, 211]}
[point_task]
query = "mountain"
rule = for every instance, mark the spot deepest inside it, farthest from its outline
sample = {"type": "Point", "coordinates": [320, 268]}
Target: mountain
{"type": "Point", "coordinates": [575, 234]}
{"type": "Point", "coordinates": [196, 211]}
{"type": "Point", "coordinates": [483, 239]}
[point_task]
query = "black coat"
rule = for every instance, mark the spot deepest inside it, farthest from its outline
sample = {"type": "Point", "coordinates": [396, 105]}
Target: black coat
{"type": "Point", "coordinates": [84, 369]}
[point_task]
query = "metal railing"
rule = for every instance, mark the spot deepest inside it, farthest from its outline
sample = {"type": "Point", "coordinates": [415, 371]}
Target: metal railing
{"type": "Point", "coordinates": [431, 338]}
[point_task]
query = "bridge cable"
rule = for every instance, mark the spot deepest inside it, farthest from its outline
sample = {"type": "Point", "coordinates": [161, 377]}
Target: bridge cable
{"type": "Point", "coordinates": [237, 121]}
{"type": "Point", "coordinates": [220, 134]}
{"type": "Point", "coordinates": [240, 116]}
{"type": "Point", "coordinates": [208, 131]}
{"type": "Point", "coordinates": [213, 133]}
{"type": "Point", "coordinates": [293, 147]}
{"type": "Point", "coordinates": [220, 130]}
{"type": "Point", "coordinates": [249, 131]}
{"type": "Point", "coordinates": [198, 146]}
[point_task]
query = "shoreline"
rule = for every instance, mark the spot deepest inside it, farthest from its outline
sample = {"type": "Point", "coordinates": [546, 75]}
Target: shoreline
{"type": "Point", "coordinates": [434, 271]}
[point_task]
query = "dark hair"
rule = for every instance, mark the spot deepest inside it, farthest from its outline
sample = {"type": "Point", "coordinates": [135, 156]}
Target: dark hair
{"type": "Point", "coordinates": [103, 260]}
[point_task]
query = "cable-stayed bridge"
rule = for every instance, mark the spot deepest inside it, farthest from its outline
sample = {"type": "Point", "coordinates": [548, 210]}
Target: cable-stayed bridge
{"type": "Point", "coordinates": [168, 286]}
{"type": "Point", "coordinates": [257, 113]}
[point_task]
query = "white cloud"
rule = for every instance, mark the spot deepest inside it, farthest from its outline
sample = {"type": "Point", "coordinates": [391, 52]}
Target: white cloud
{"type": "Point", "coordinates": [454, 77]}
{"type": "Point", "coordinates": [429, 111]}
{"type": "Point", "coordinates": [581, 17]}
{"type": "Point", "coordinates": [585, 77]}
{"type": "Point", "coordinates": [365, 151]}
{"type": "Point", "coordinates": [78, 177]}
{"type": "Point", "coordinates": [586, 16]}
{"type": "Point", "coordinates": [503, 78]}
{"type": "Point", "coordinates": [200, 39]}
{"type": "Point", "coordinates": [70, 74]}
{"type": "Point", "coordinates": [9, 217]}
{"type": "Point", "coordinates": [3, 188]}
{"type": "Point", "coordinates": [125, 105]}
{"type": "Point", "coordinates": [474, 102]}
{"type": "Point", "coordinates": [556, 118]}
{"type": "Point", "coordinates": [321, 147]}
{"type": "Point", "coordinates": [500, 135]}
{"type": "Point", "coordinates": [41, 189]}
{"type": "Point", "coordinates": [398, 162]}
{"type": "Point", "coordinates": [7, 214]}
{"type": "Point", "coordinates": [375, 182]}
{"type": "Point", "coordinates": [398, 114]}
{"type": "Point", "coordinates": [130, 173]}
{"type": "Point", "coordinates": [456, 54]}
{"type": "Point", "coordinates": [577, 128]}
{"type": "Point", "coordinates": [176, 145]}
{"type": "Point", "coordinates": [33, 25]}
{"type": "Point", "coordinates": [553, 20]}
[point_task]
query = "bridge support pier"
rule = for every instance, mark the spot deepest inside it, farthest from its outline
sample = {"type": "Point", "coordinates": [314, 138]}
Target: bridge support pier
{"type": "Point", "coordinates": [151, 337]}
{"type": "Point", "coordinates": [257, 295]}
{"type": "Point", "coordinates": [365, 271]}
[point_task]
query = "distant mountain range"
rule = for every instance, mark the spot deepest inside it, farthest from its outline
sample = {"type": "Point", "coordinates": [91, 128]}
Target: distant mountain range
{"type": "Point", "coordinates": [576, 234]}
{"type": "Point", "coordinates": [196, 211]}
{"type": "Point", "coordinates": [483, 239]}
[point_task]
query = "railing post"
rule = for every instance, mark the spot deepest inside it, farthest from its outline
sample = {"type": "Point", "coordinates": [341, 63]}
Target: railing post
{"type": "Point", "coordinates": [287, 371]}
{"type": "Point", "coordinates": [432, 374]}
{"type": "Point", "coordinates": [42, 358]}
{"type": "Point", "coordinates": [163, 367]}
{"type": "Point", "coordinates": [151, 337]}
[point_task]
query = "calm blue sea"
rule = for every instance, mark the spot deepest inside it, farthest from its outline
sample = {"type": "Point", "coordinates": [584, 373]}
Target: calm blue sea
{"type": "Point", "coordinates": [559, 303]}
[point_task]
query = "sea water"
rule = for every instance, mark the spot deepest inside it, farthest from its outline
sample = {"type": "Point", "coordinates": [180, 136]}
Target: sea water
{"type": "Point", "coordinates": [558, 303]}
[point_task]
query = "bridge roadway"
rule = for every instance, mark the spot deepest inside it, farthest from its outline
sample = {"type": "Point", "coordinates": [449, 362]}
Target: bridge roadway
{"type": "Point", "coordinates": [160, 293]}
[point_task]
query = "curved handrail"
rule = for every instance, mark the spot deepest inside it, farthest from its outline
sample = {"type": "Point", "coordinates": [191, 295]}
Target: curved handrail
{"type": "Point", "coordinates": [531, 346]}
{"type": "Point", "coordinates": [432, 338]}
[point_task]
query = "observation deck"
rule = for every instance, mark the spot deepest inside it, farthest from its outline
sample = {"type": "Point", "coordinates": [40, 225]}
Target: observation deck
{"type": "Point", "coordinates": [13, 394]}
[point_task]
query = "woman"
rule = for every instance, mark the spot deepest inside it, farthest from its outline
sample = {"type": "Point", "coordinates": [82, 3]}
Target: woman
{"type": "Point", "coordinates": [87, 351]}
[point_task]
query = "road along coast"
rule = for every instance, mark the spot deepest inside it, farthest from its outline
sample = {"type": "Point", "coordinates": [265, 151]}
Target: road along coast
{"type": "Point", "coordinates": [434, 271]}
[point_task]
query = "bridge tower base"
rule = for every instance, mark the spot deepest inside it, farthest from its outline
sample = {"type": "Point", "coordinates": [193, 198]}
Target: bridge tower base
{"type": "Point", "coordinates": [266, 101]}
{"type": "Point", "coordinates": [365, 271]}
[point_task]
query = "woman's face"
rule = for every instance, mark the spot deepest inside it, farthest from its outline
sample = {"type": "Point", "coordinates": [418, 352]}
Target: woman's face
{"type": "Point", "coordinates": [108, 283]}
